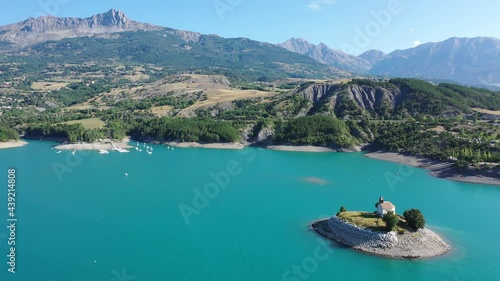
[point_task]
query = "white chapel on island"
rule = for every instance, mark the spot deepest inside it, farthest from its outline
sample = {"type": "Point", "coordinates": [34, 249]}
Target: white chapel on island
{"type": "Point", "coordinates": [383, 207]}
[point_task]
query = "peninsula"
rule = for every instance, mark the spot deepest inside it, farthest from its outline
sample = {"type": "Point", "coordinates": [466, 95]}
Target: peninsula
{"type": "Point", "coordinates": [383, 233]}
{"type": "Point", "coordinates": [12, 144]}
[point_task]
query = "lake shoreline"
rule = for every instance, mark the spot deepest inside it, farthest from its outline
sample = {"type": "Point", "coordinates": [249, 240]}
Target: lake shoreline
{"type": "Point", "coordinates": [421, 244]}
{"type": "Point", "coordinates": [242, 145]}
{"type": "Point", "coordinates": [311, 148]}
{"type": "Point", "coordinates": [12, 144]}
{"type": "Point", "coordinates": [439, 169]}
{"type": "Point", "coordinates": [230, 146]}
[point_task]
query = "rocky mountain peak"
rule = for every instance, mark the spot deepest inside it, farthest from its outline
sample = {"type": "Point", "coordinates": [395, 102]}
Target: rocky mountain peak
{"type": "Point", "coordinates": [110, 18]}
{"type": "Point", "coordinates": [374, 56]}
{"type": "Point", "coordinates": [297, 45]}
{"type": "Point", "coordinates": [46, 28]}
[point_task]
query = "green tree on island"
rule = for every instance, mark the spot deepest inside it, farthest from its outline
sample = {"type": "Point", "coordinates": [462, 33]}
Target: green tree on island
{"type": "Point", "coordinates": [414, 218]}
{"type": "Point", "coordinates": [391, 221]}
{"type": "Point", "coordinates": [341, 210]}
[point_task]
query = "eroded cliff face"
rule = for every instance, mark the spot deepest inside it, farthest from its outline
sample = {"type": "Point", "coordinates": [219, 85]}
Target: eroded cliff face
{"type": "Point", "coordinates": [364, 97]}
{"type": "Point", "coordinates": [317, 92]}
{"type": "Point", "coordinates": [371, 98]}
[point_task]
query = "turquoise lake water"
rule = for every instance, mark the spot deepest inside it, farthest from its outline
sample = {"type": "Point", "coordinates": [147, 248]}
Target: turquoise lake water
{"type": "Point", "coordinates": [87, 221]}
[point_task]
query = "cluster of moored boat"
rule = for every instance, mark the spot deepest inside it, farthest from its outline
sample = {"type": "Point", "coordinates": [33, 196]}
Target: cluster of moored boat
{"type": "Point", "coordinates": [148, 149]}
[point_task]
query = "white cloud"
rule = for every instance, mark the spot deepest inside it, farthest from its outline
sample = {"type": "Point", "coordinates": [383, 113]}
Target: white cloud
{"type": "Point", "coordinates": [416, 43]}
{"type": "Point", "coordinates": [317, 5]}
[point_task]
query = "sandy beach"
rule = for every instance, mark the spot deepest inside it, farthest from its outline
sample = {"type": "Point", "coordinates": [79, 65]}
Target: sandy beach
{"type": "Point", "coordinates": [235, 145]}
{"type": "Point", "coordinates": [296, 148]}
{"type": "Point", "coordinates": [12, 144]}
{"type": "Point", "coordinates": [444, 170]}
{"type": "Point", "coordinates": [312, 148]}
{"type": "Point", "coordinates": [103, 144]}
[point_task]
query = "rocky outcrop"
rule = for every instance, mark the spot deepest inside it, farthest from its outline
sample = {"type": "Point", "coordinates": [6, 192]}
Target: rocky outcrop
{"type": "Point", "coordinates": [317, 92]}
{"type": "Point", "coordinates": [370, 98]}
{"type": "Point", "coordinates": [365, 97]}
{"type": "Point", "coordinates": [265, 135]}
{"type": "Point", "coordinates": [421, 244]}
{"type": "Point", "coordinates": [187, 36]}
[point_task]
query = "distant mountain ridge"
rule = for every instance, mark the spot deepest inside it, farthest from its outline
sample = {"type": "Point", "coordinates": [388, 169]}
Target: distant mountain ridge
{"type": "Point", "coordinates": [324, 54]}
{"type": "Point", "coordinates": [471, 61]}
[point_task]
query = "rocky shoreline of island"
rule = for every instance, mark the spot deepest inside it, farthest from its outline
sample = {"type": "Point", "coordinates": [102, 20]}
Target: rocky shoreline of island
{"type": "Point", "coordinates": [423, 243]}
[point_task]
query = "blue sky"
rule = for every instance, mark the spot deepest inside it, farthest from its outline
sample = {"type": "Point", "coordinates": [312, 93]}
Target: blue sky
{"type": "Point", "coordinates": [351, 25]}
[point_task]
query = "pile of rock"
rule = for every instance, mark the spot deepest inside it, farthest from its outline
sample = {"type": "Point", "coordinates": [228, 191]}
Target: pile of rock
{"type": "Point", "coordinates": [420, 244]}
{"type": "Point", "coordinates": [353, 235]}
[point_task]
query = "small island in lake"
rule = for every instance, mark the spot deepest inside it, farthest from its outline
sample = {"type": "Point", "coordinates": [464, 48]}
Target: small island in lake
{"type": "Point", "coordinates": [383, 232]}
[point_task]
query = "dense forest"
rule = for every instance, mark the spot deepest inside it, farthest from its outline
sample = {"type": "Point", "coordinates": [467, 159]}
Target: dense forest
{"type": "Point", "coordinates": [314, 130]}
{"type": "Point", "coordinates": [7, 134]}
{"type": "Point", "coordinates": [186, 130]}
{"type": "Point", "coordinates": [72, 132]}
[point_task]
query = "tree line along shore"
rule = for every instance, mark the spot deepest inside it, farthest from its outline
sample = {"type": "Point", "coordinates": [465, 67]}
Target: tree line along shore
{"type": "Point", "coordinates": [415, 137]}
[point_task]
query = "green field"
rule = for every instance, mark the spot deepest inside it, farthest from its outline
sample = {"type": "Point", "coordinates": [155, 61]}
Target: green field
{"type": "Point", "coordinates": [91, 123]}
{"type": "Point", "coordinates": [371, 221]}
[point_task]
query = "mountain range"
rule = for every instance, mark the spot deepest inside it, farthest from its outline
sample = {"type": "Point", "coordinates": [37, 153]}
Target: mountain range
{"type": "Point", "coordinates": [471, 61]}
{"type": "Point", "coordinates": [112, 35]}
{"type": "Point", "coordinates": [325, 55]}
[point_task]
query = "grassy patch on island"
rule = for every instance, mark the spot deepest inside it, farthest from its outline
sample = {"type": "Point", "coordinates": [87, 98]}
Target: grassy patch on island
{"type": "Point", "coordinates": [372, 221]}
